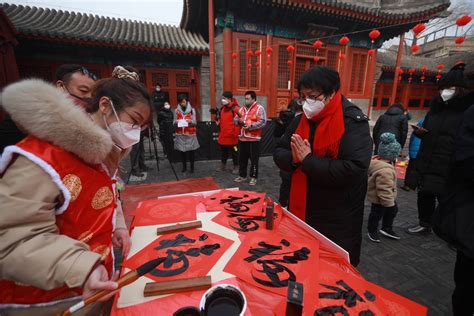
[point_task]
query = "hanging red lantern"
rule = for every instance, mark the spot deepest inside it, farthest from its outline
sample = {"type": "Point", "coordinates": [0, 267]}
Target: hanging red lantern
{"type": "Point", "coordinates": [249, 65]}
{"type": "Point", "coordinates": [374, 34]}
{"type": "Point", "coordinates": [371, 52]}
{"type": "Point", "coordinates": [249, 53]}
{"type": "Point", "coordinates": [400, 71]}
{"type": "Point", "coordinates": [420, 27]}
{"type": "Point", "coordinates": [258, 53]}
{"type": "Point", "coordinates": [268, 62]}
{"type": "Point", "coordinates": [459, 40]}
{"type": "Point", "coordinates": [289, 62]}
{"type": "Point", "coordinates": [234, 56]}
{"type": "Point", "coordinates": [423, 78]}
{"type": "Point", "coordinates": [257, 64]}
{"type": "Point", "coordinates": [399, 78]}
{"type": "Point", "coordinates": [318, 44]}
{"type": "Point", "coordinates": [410, 79]}
{"type": "Point", "coordinates": [411, 71]}
{"type": "Point", "coordinates": [415, 48]}
{"type": "Point", "coordinates": [440, 67]}
{"type": "Point", "coordinates": [424, 69]}
{"type": "Point", "coordinates": [344, 40]}
{"type": "Point", "coordinates": [290, 49]}
{"type": "Point", "coordinates": [269, 50]}
{"type": "Point", "coordinates": [465, 19]}
{"type": "Point", "coordinates": [316, 59]}
{"type": "Point", "coordinates": [438, 76]}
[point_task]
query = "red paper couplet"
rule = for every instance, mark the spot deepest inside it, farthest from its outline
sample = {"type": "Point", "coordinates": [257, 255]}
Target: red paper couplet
{"type": "Point", "coordinates": [247, 203]}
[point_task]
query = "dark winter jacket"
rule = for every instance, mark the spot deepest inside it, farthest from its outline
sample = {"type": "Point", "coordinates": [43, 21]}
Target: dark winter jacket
{"type": "Point", "coordinates": [165, 121]}
{"type": "Point", "coordinates": [435, 158]}
{"type": "Point", "coordinates": [159, 99]}
{"type": "Point", "coordinates": [336, 188]}
{"type": "Point", "coordinates": [392, 121]}
{"type": "Point", "coordinates": [454, 218]}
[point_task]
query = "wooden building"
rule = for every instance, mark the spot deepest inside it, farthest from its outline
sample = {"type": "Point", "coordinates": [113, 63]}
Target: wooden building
{"type": "Point", "coordinates": [251, 25]}
{"type": "Point", "coordinates": [47, 38]}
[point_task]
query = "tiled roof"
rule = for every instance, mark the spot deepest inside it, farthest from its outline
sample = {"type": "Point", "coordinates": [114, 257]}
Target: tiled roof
{"type": "Point", "coordinates": [68, 26]}
{"type": "Point", "coordinates": [388, 59]}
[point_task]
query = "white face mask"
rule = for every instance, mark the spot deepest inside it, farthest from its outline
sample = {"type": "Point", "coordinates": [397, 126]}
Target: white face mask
{"type": "Point", "coordinates": [158, 88]}
{"type": "Point", "coordinates": [225, 101]}
{"type": "Point", "coordinates": [312, 107]}
{"type": "Point", "coordinates": [123, 134]}
{"type": "Point", "coordinates": [447, 94]}
{"type": "Point", "coordinates": [167, 106]}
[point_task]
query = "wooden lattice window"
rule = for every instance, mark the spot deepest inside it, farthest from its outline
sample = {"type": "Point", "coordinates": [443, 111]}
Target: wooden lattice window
{"type": "Point", "coordinates": [332, 60]}
{"type": "Point", "coordinates": [183, 80]}
{"type": "Point", "coordinates": [302, 64]}
{"type": "Point", "coordinates": [283, 68]}
{"type": "Point", "coordinates": [359, 63]}
{"type": "Point", "coordinates": [161, 78]}
{"type": "Point", "coordinates": [35, 71]}
{"type": "Point", "coordinates": [249, 77]}
{"type": "Point", "coordinates": [307, 51]}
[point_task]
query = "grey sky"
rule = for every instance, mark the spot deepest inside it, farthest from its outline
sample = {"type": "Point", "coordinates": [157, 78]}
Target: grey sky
{"type": "Point", "coordinates": [160, 11]}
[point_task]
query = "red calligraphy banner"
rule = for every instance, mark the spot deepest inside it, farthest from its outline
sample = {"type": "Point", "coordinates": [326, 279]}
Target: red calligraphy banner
{"type": "Point", "coordinates": [166, 210]}
{"type": "Point", "coordinates": [186, 254]}
{"type": "Point", "coordinates": [246, 203]}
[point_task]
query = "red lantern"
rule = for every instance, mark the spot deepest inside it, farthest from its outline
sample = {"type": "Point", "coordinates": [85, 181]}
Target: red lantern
{"type": "Point", "coordinates": [257, 64]}
{"type": "Point", "coordinates": [269, 50]}
{"type": "Point", "coordinates": [249, 65]}
{"type": "Point", "coordinates": [374, 34]}
{"type": "Point", "coordinates": [249, 53]}
{"type": "Point", "coordinates": [440, 67]}
{"type": "Point", "coordinates": [459, 40]}
{"type": "Point", "coordinates": [400, 71]}
{"type": "Point", "coordinates": [371, 52]}
{"type": "Point", "coordinates": [411, 71]}
{"type": "Point", "coordinates": [342, 56]}
{"type": "Point", "coordinates": [465, 19]}
{"type": "Point", "coordinates": [344, 40]}
{"type": "Point", "coordinates": [289, 62]}
{"type": "Point", "coordinates": [420, 27]}
{"type": "Point", "coordinates": [415, 48]}
{"type": "Point", "coordinates": [234, 56]}
{"type": "Point", "coordinates": [423, 78]}
{"type": "Point", "coordinates": [438, 76]}
{"type": "Point", "coordinates": [424, 69]}
{"type": "Point", "coordinates": [258, 53]}
{"type": "Point", "coordinates": [410, 79]}
{"type": "Point", "coordinates": [318, 44]}
{"type": "Point", "coordinates": [399, 78]}
{"type": "Point", "coordinates": [268, 62]}
{"type": "Point", "coordinates": [290, 49]}
{"type": "Point", "coordinates": [316, 59]}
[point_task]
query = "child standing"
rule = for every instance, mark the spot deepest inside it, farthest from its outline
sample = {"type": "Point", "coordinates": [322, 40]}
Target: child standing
{"type": "Point", "coordinates": [382, 188]}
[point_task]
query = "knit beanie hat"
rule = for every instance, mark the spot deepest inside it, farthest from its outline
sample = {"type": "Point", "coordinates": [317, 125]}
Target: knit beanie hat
{"type": "Point", "coordinates": [454, 78]}
{"type": "Point", "coordinates": [389, 148]}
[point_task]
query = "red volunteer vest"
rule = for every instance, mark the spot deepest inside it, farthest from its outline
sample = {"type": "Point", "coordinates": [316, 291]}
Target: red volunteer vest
{"type": "Point", "coordinates": [88, 217]}
{"type": "Point", "coordinates": [190, 130]}
{"type": "Point", "coordinates": [251, 116]}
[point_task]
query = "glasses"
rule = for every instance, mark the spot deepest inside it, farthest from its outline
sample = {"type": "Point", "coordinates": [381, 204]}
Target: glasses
{"type": "Point", "coordinates": [135, 125]}
{"type": "Point", "coordinates": [301, 99]}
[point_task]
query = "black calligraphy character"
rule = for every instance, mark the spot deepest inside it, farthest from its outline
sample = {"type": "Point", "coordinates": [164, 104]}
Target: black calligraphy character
{"type": "Point", "coordinates": [274, 268]}
{"type": "Point", "coordinates": [244, 224]}
{"type": "Point", "coordinates": [346, 293]}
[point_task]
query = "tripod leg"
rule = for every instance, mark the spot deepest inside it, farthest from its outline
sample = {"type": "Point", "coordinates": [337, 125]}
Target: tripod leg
{"type": "Point", "coordinates": [157, 159]}
{"type": "Point", "coordinates": [134, 162]}
{"type": "Point", "coordinates": [169, 148]}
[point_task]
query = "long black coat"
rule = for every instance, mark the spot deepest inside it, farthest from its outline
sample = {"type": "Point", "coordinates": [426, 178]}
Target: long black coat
{"type": "Point", "coordinates": [435, 159]}
{"type": "Point", "coordinates": [392, 121]}
{"type": "Point", "coordinates": [336, 188]}
{"type": "Point", "coordinates": [454, 218]}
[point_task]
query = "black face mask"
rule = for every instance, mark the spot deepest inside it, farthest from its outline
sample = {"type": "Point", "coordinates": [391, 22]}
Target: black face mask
{"type": "Point", "coordinates": [87, 101]}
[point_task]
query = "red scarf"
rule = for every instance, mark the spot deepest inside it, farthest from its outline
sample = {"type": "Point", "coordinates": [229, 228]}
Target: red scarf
{"type": "Point", "coordinates": [326, 141]}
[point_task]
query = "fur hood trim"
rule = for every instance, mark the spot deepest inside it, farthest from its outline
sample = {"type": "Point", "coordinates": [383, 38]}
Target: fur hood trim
{"type": "Point", "coordinates": [44, 111]}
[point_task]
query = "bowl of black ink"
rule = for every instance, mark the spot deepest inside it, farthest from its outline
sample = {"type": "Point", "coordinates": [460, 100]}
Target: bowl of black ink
{"type": "Point", "coordinates": [223, 299]}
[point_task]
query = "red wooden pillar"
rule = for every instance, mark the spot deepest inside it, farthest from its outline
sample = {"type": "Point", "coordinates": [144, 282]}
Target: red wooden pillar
{"type": "Point", "coordinates": [212, 56]}
{"type": "Point", "coordinates": [269, 83]}
{"type": "Point", "coordinates": [397, 68]}
{"type": "Point", "coordinates": [227, 59]}
{"type": "Point", "coordinates": [371, 80]}
{"type": "Point", "coordinates": [344, 72]}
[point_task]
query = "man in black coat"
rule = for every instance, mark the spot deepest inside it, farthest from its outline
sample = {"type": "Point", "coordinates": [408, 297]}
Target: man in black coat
{"type": "Point", "coordinates": [159, 98]}
{"type": "Point", "coordinates": [394, 121]}
{"type": "Point", "coordinates": [165, 121]}
{"type": "Point", "coordinates": [435, 159]}
{"type": "Point", "coordinates": [336, 187]}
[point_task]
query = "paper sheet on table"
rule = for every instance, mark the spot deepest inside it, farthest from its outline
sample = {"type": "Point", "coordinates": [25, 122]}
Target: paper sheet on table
{"type": "Point", "coordinates": [182, 123]}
